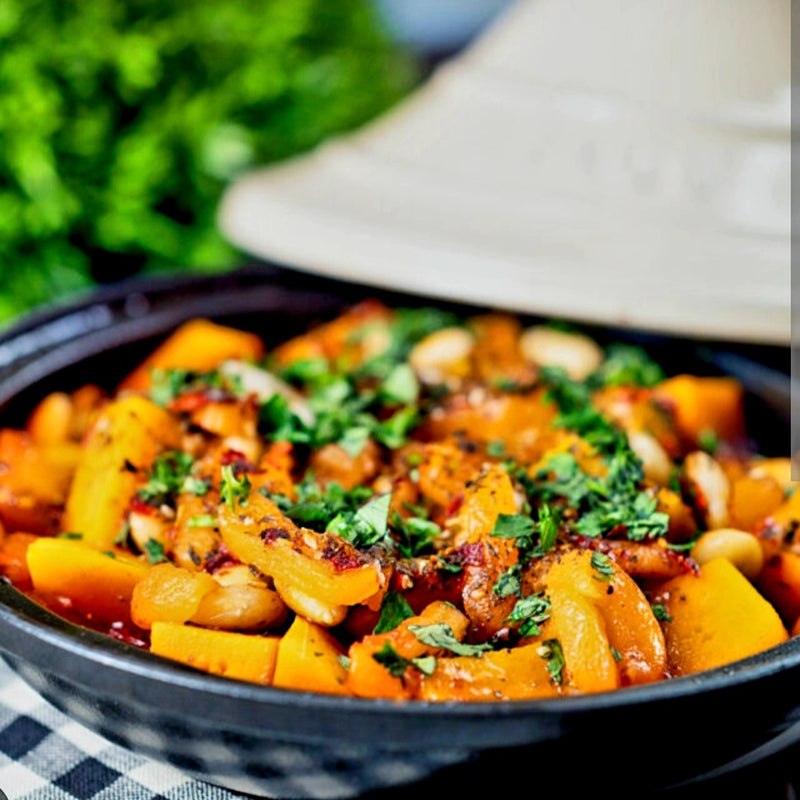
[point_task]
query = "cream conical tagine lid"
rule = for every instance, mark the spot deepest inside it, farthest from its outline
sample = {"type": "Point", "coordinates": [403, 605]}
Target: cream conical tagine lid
{"type": "Point", "coordinates": [615, 161]}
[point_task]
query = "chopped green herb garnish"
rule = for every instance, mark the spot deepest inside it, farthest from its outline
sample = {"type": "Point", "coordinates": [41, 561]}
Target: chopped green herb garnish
{"type": "Point", "coordinates": [367, 525]}
{"type": "Point", "coordinates": [603, 566]}
{"type": "Point", "coordinates": [154, 551]}
{"type": "Point", "coordinates": [708, 440]}
{"type": "Point", "coordinates": [531, 612]}
{"type": "Point", "coordinates": [202, 521]}
{"type": "Point", "coordinates": [396, 665]}
{"type": "Point", "coordinates": [496, 448]}
{"type": "Point", "coordinates": [233, 488]}
{"type": "Point", "coordinates": [552, 653]}
{"type": "Point", "coordinates": [660, 613]}
{"type": "Point", "coordinates": [166, 478]}
{"type": "Point", "coordinates": [394, 609]}
{"type": "Point", "coordinates": [616, 654]}
{"type": "Point", "coordinates": [70, 535]}
{"type": "Point", "coordinates": [441, 635]}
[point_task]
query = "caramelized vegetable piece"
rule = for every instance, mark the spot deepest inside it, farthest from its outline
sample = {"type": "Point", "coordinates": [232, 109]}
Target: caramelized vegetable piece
{"type": "Point", "coordinates": [13, 558]}
{"type": "Point", "coordinates": [198, 345]}
{"type": "Point", "coordinates": [607, 630]}
{"type": "Point", "coordinates": [717, 617]}
{"type": "Point", "coordinates": [779, 582]}
{"type": "Point", "coordinates": [35, 471]}
{"type": "Point", "coordinates": [753, 499]}
{"type": "Point", "coordinates": [121, 445]}
{"type": "Point", "coordinates": [98, 584]}
{"type": "Point", "coordinates": [309, 659]}
{"type": "Point", "coordinates": [169, 594]}
{"type": "Point", "coordinates": [368, 677]}
{"type": "Point", "coordinates": [490, 494]}
{"type": "Point", "coordinates": [705, 405]}
{"type": "Point", "coordinates": [320, 565]}
{"type": "Point", "coordinates": [234, 655]}
{"type": "Point", "coordinates": [515, 674]}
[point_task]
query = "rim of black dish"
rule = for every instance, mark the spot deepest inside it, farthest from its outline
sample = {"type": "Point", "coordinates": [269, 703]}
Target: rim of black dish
{"type": "Point", "coordinates": [39, 637]}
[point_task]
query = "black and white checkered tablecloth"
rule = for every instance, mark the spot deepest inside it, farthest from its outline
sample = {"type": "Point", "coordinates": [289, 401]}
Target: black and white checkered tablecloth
{"type": "Point", "coordinates": [44, 755]}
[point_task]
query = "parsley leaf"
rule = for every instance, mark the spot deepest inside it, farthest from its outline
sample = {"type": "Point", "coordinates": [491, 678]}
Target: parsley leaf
{"type": "Point", "coordinates": [154, 551]}
{"type": "Point", "coordinates": [166, 478]}
{"type": "Point", "coordinates": [394, 609]}
{"type": "Point", "coordinates": [603, 566]}
{"type": "Point", "coordinates": [233, 488]}
{"type": "Point", "coordinates": [551, 651]}
{"type": "Point", "coordinates": [396, 665]}
{"type": "Point", "coordinates": [660, 613]}
{"type": "Point", "coordinates": [531, 611]}
{"type": "Point", "coordinates": [367, 525]}
{"type": "Point", "coordinates": [441, 635]}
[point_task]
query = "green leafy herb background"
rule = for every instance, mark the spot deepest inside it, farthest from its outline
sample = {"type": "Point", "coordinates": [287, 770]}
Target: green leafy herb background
{"type": "Point", "coordinates": [121, 121]}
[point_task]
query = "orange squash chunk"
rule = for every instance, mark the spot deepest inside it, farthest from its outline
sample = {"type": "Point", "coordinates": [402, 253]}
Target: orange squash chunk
{"type": "Point", "coordinates": [779, 582]}
{"type": "Point", "coordinates": [702, 405]}
{"type": "Point", "coordinates": [122, 444]}
{"type": "Point", "coordinates": [199, 345]}
{"type": "Point", "coordinates": [717, 617]}
{"type": "Point", "coordinates": [607, 630]}
{"type": "Point", "coordinates": [233, 655]}
{"type": "Point", "coordinates": [308, 659]}
{"type": "Point", "coordinates": [519, 673]}
{"type": "Point", "coordinates": [369, 678]}
{"type": "Point", "coordinates": [99, 584]}
{"type": "Point", "coordinates": [169, 594]}
{"type": "Point", "coordinates": [319, 565]}
{"type": "Point", "coordinates": [753, 499]}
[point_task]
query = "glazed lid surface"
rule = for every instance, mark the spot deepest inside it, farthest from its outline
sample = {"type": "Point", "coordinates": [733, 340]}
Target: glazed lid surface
{"type": "Point", "coordinates": [625, 163]}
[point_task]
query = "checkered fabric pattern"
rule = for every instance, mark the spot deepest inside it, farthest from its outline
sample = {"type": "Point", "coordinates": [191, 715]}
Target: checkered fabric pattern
{"type": "Point", "coordinates": [46, 756]}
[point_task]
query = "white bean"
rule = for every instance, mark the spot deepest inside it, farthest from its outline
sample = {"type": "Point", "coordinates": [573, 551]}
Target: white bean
{"type": "Point", "coordinates": [741, 548]}
{"type": "Point", "coordinates": [309, 607]}
{"type": "Point", "coordinates": [240, 608]}
{"type": "Point", "coordinates": [442, 354]}
{"type": "Point", "coordinates": [656, 463]}
{"type": "Point", "coordinates": [712, 483]}
{"type": "Point", "coordinates": [579, 355]}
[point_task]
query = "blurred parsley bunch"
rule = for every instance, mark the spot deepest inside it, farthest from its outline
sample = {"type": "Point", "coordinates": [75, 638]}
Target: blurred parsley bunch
{"type": "Point", "coordinates": [122, 120]}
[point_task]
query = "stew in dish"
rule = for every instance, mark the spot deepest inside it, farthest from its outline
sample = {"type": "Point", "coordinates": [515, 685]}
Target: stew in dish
{"type": "Point", "coordinates": [401, 503]}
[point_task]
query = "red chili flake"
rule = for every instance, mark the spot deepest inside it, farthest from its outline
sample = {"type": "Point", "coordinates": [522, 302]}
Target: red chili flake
{"type": "Point", "coordinates": [238, 461]}
{"type": "Point", "coordinates": [269, 535]}
{"type": "Point", "coordinates": [473, 554]}
{"type": "Point", "coordinates": [222, 558]}
{"type": "Point", "coordinates": [455, 505]}
{"type": "Point", "coordinates": [139, 506]}
{"type": "Point", "coordinates": [342, 560]}
{"type": "Point", "coordinates": [190, 401]}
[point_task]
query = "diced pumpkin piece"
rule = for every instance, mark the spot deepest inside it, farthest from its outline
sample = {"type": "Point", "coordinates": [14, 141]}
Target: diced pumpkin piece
{"type": "Point", "coordinates": [717, 617]}
{"type": "Point", "coordinates": [36, 469]}
{"type": "Point", "coordinates": [309, 659]}
{"type": "Point", "coordinates": [367, 677]}
{"type": "Point", "coordinates": [753, 499]}
{"type": "Point", "coordinates": [779, 469]}
{"type": "Point", "coordinates": [99, 584]}
{"type": "Point", "coordinates": [779, 582]}
{"type": "Point", "coordinates": [234, 655]}
{"type": "Point", "coordinates": [320, 565]}
{"type": "Point", "coordinates": [51, 419]}
{"type": "Point", "coordinates": [13, 558]}
{"type": "Point", "coordinates": [198, 345]}
{"type": "Point", "coordinates": [519, 673]}
{"type": "Point", "coordinates": [604, 623]}
{"type": "Point", "coordinates": [168, 593]}
{"type": "Point", "coordinates": [124, 440]}
{"type": "Point", "coordinates": [485, 498]}
{"type": "Point", "coordinates": [705, 405]}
